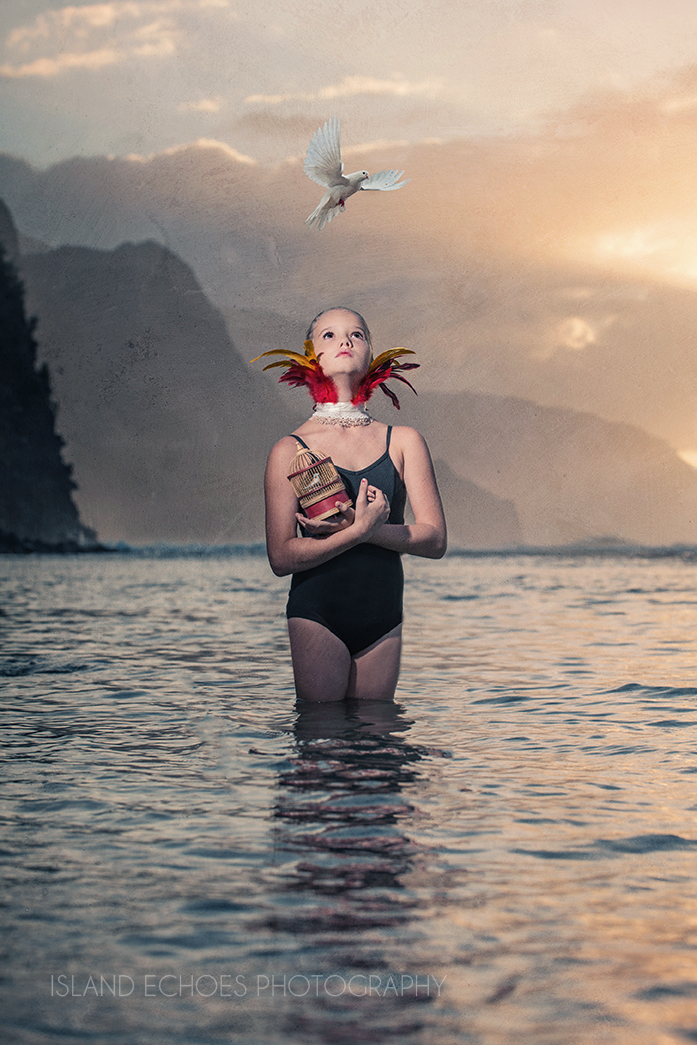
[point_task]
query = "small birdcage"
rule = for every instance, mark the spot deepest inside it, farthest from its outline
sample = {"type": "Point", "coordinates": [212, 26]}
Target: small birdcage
{"type": "Point", "coordinates": [317, 484]}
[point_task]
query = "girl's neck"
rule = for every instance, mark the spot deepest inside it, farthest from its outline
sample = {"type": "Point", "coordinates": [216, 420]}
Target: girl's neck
{"type": "Point", "coordinates": [346, 387]}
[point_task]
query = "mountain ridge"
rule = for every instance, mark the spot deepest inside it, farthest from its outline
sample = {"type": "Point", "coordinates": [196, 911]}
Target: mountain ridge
{"type": "Point", "coordinates": [169, 427]}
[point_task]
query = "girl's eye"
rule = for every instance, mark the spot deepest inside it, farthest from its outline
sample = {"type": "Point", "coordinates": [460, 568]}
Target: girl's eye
{"type": "Point", "coordinates": [327, 335]}
{"type": "Point", "coordinates": [357, 333]}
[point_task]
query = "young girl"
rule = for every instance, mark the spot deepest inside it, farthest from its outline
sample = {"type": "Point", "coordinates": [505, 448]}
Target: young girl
{"type": "Point", "coordinates": [345, 604]}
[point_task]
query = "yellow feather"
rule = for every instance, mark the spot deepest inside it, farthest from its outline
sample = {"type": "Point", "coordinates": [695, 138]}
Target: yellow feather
{"type": "Point", "coordinates": [294, 357]}
{"type": "Point", "coordinates": [391, 353]}
{"type": "Point", "coordinates": [280, 362]}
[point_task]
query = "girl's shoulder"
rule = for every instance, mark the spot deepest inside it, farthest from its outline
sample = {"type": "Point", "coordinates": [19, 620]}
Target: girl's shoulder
{"type": "Point", "coordinates": [287, 441]}
{"type": "Point", "coordinates": [407, 437]}
{"type": "Point", "coordinates": [285, 449]}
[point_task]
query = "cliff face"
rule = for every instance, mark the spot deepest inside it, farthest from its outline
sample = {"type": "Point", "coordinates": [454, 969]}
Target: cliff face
{"type": "Point", "coordinates": [166, 426]}
{"type": "Point", "coordinates": [36, 505]}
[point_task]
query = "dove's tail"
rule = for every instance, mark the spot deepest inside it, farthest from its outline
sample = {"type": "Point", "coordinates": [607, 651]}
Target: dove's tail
{"type": "Point", "coordinates": [322, 215]}
{"type": "Point", "coordinates": [315, 217]}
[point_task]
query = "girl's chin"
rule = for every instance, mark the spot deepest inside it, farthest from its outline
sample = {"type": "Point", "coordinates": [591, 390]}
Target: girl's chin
{"type": "Point", "coordinates": [349, 369]}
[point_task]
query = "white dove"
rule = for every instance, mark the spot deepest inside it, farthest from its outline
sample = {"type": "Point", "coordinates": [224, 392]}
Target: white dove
{"type": "Point", "coordinates": [323, 165]}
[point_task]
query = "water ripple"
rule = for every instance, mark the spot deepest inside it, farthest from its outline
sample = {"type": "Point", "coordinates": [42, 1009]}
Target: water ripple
{"type": "Point", "coordinates": [518, 827]}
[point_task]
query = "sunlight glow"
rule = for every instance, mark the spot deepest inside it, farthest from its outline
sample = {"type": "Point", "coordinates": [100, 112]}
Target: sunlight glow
{"type": "Point", "coordinates": [638, 243]}
{"type": "Point", "coordinates": [689, 457]}
{"type": "Point", "coordinates": [662, 251]}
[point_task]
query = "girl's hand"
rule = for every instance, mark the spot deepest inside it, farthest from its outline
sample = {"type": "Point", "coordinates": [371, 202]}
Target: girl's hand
{"type": "Point", "coordinates": [325, 527]}
{"type": "Point", "coordinates": [372, 509]}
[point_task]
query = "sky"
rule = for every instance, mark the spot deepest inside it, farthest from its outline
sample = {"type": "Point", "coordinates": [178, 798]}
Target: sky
{"type": "Point", "coordinates": [126, 76]}
{"type": "Point", "coordinates": [551, 146]}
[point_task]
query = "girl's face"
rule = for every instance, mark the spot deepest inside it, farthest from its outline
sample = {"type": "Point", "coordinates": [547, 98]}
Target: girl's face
{"type": "Point", "coordinates": [341, 343]}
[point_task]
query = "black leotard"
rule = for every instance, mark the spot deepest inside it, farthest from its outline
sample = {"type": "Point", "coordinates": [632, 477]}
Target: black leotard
{"type": "Point", "coordinates": [358, 594]}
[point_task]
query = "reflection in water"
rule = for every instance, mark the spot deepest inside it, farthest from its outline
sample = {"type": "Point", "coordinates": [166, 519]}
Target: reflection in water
{"type": "Point", "coordinates": [341, 804]}
{"type": "Point", "coordinates": [341, 814]}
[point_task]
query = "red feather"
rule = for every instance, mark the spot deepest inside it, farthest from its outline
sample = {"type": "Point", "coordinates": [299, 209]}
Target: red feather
{"type": "Point", "coordinates": [378, 376]}
{"type": "Point", "coordinates": [321, 388]}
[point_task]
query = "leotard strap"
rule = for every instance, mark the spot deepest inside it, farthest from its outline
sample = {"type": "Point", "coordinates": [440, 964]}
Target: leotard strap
{"type": "Point", "coordinates": [387, 441]}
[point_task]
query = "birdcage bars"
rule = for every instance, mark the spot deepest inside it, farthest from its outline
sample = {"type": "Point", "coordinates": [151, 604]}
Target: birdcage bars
{"type": "Point", "coordinates": [317, 484]}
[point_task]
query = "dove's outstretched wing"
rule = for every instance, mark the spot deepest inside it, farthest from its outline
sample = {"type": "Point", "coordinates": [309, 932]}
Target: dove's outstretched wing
{"type": "Point", "coordinates": [385, 181]}
{"type": "Point", "coordinates": [323, 157]}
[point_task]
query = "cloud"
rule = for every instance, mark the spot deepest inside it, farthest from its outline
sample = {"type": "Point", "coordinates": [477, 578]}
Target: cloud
{"type": "Point", "coordinates": [96, 36]}
{"type": "Point", "coordinates": [351, 86]}
{"type": "Point", "coordinates": [211, 105]}
{"type": "Point", "coordinates": [573, 333]}
{"type": "Point", "coordinates": [48, 67]}
{"type": "Point", "coordinates": [200, 145]}
{"type": "Point", "coordinates": [376, 146]}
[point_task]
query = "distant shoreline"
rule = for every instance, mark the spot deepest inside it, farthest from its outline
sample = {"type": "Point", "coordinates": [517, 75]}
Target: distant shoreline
{"type": "Point", "coordinates": [10, 545]}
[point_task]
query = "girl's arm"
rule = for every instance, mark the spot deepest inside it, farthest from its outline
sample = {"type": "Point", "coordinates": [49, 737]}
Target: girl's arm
{"type": "Point", "coordinates": [427, 535]}
{"type": "Point", "coordinates": [289, 553]}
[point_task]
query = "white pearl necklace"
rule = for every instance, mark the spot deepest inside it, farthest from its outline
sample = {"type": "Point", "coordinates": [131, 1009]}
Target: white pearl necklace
{"type": "Point", "coordinates": [345, 414]}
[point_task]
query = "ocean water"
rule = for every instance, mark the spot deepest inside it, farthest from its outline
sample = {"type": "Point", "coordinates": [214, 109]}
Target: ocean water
{"type": "Point", "coordinates": [507, 854]}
